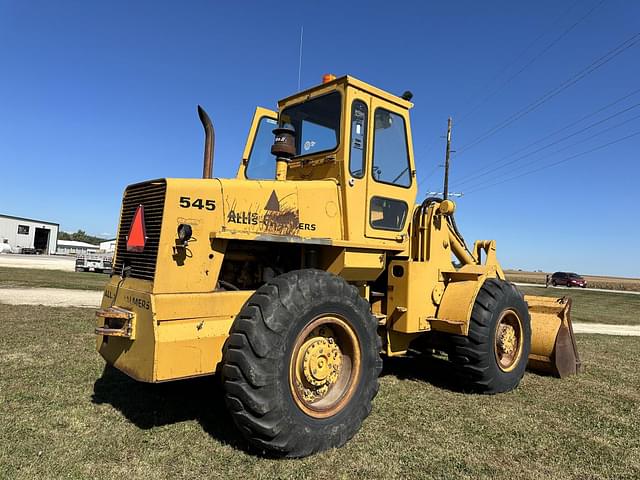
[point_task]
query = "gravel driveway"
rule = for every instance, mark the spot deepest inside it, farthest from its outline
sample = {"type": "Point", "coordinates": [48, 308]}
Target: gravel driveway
{"type": "Point", "coordinates": [43, 262]}
{"type": "Point", "coordinates": [53, 297]}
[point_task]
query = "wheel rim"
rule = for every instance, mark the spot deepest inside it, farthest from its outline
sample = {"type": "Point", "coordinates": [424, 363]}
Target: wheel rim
{"type": "Point", "coordinates": [324, 368]}
{"type": "Point", "coordinates": [508, 340]}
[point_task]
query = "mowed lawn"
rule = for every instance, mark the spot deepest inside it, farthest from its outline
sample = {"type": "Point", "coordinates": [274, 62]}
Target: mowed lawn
{"type": "Point", "coordinates": [595, 307]}
{"type": "Point", "coordinates": [62, 415]}
{"type": "Point", "coordinates": [29, 277]}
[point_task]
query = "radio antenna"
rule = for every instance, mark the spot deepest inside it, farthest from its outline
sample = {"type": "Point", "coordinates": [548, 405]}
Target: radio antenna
{"type": "Point", "coordinates": [300, 57]}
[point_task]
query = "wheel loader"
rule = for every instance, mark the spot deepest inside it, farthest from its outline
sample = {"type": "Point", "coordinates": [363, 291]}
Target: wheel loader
{"type": "Point", "coordinates": [293, 280]}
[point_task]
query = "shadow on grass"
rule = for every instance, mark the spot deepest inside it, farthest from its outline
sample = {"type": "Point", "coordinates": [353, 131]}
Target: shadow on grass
{"type": "Point", "coordinates": [153, 405]}
{"type": "Point", "coordinates": [424, 368]}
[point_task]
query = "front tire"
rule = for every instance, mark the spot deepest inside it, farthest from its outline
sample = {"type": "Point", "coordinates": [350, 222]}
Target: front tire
{"type": "Point", "coordinates": [492, 358]}
{"type": "Point", "coordinates": [301, 365]}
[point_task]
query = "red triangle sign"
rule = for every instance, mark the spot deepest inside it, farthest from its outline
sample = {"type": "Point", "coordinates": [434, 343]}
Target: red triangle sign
{"type": "Point", "coordinates": [137, 233]}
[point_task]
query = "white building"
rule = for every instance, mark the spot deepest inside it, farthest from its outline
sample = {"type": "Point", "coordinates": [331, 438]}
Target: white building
{"type": "Point", "coordinates": [28, 235]}
{"type": "Point", "coordinates": [108, 246]}
{"type": "Point", "coordinates": [73, 247]}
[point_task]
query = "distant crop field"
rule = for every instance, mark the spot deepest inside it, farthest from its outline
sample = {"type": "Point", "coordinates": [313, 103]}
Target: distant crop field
{"type": "Point", "coordinates": [593, 281]}
{"type": "Point", "coordinates": [64, 415]}
{"type": "Point", "coordinates": [595, 307]}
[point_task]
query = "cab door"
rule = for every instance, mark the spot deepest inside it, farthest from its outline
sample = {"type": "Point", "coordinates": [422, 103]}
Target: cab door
{"type": "Point", "coordinates": [358, 105]}
{"type": "Point", "coordinates": [391, 181]}
{"type": "Point", "coordinates": [257, 161]}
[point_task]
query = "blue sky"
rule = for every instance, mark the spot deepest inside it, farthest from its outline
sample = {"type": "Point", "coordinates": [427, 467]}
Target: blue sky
{"type": "Point", "coordinates": [97, 95]}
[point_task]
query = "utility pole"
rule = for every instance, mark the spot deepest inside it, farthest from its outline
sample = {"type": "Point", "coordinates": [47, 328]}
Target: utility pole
{"type": "Point", "coordinates": [446, 162]}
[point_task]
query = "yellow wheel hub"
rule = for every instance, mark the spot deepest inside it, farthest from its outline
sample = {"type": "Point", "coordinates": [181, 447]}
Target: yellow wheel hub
{"type": "Point", "coordinates": [324, 366]}
{"type": "Point", "coordinates": [321, 361]}
{"type": "Point", "coordinates": [508, 340]}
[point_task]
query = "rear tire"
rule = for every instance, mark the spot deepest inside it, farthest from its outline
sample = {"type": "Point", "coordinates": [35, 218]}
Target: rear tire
{"type": "Point", "coordinates": [492, 358]}
{"type": "Point", "coordinates": [300, 367]}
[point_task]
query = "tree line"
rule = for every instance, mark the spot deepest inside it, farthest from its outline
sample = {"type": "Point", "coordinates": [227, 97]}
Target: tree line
{"type": "Point", "coordinates": [80, 236]}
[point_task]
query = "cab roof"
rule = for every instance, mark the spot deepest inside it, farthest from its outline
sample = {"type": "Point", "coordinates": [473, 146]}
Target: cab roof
{"type": "Point", "coordinates": [346, 80]}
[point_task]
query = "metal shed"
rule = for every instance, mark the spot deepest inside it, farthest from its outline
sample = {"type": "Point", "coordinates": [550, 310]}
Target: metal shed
{"type": "Point", "coordinates": [26, 235]}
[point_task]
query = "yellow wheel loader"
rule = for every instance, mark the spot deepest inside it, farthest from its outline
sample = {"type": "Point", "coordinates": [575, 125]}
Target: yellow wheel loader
{"type": "Point", "coordinates": [295, 278]}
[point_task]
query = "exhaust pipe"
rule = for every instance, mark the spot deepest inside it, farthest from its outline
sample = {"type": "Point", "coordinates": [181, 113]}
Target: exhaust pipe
{"type": "Point", "coordinates": [209, 141]}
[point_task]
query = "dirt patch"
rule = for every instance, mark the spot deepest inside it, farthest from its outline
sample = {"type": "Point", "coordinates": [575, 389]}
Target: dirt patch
{"type": "Point", "coordinates": [52, 297]}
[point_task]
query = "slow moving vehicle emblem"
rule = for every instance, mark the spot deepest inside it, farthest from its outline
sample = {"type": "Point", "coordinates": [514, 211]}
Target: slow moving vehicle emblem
{"type": "Point", "coordinates": [137, 236]}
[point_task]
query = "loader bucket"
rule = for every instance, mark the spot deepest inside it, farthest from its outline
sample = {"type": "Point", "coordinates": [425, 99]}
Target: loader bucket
{"type": "Point", "coordinates": [553, 344]}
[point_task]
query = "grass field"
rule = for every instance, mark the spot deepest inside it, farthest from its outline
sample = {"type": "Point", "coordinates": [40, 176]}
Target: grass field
{"type": "Point", "coordinates": [593, 281]}
{"type": "Point", "coordinates": [28, 277]}
{"type": "Point", "coordinates": [63, 415]}
{"type": "Point", "coordinates": [596, 307]}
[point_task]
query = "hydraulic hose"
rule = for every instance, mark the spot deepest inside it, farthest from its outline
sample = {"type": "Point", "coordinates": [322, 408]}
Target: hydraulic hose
{"type": "Point", "coordinates": [450, 219]}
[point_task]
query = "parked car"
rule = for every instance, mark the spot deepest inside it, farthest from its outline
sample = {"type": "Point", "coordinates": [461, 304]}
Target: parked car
{"type": "Point", "coordinates": [568, 279]}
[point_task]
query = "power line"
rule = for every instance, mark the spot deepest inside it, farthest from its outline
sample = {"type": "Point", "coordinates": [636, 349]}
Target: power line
{"type": "Point", "coordinates": [426, 150]}
{"type": "Point", "coordinates": [595, 65]}
{"type": "Point", "coordinates": [504, 164]}
{"type": "Point", "coordinates": [599, 147]}
{"type": "Point", "coordinates": [597, 134]}
{"type": "Point", "coordinates": [555, 132]}
{"type": "Point", "coordinates": [429, 174]}
{"type": "Point", "coordinates": [432, 144]}
{"type": "Point", "coordinates": [536, 57]}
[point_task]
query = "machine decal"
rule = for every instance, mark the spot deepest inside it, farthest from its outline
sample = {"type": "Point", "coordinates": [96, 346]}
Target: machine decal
{"type": "Point", "coordinates": [280, 218]}
{"type": "Point", "coordinates": [140, 302]}
{"type": "Point", "coordinates": [273, 203]}
{"type": "Point", "coordinates": [130, 299]}
{"type": "Point", "coordinates": [277, 216]}
{"type": "Point", "coordinates": [190, 221]}
{"type": "Point", "coordinates": [199, 203]}
{"type": "Point", "coordinates": [245, 218]}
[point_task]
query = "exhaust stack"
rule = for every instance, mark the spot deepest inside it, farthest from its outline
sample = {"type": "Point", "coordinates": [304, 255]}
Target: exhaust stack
{"type": "Point", "coordinates": [209, 142]}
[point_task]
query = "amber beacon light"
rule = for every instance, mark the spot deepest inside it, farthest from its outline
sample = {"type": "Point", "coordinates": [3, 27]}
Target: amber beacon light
{"type": "Point", "coordinates": [328, 77]}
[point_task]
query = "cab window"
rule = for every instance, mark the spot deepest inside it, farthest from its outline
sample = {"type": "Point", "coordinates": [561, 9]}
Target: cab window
{"type": "Point", "coordinates": [390, 153]}
{"type": "Point", "coordinates": [316, 122]}
{"type": "Point", "coordinates": [387, 213]}
{"type": "Point", "coordinates": [358, 138]}
{"type": "Point", "coordinates": [262, 165]}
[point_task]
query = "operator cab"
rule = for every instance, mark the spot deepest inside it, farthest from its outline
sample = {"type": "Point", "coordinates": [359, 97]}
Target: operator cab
{"type": "Point", "coordinates": [351, 133]}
